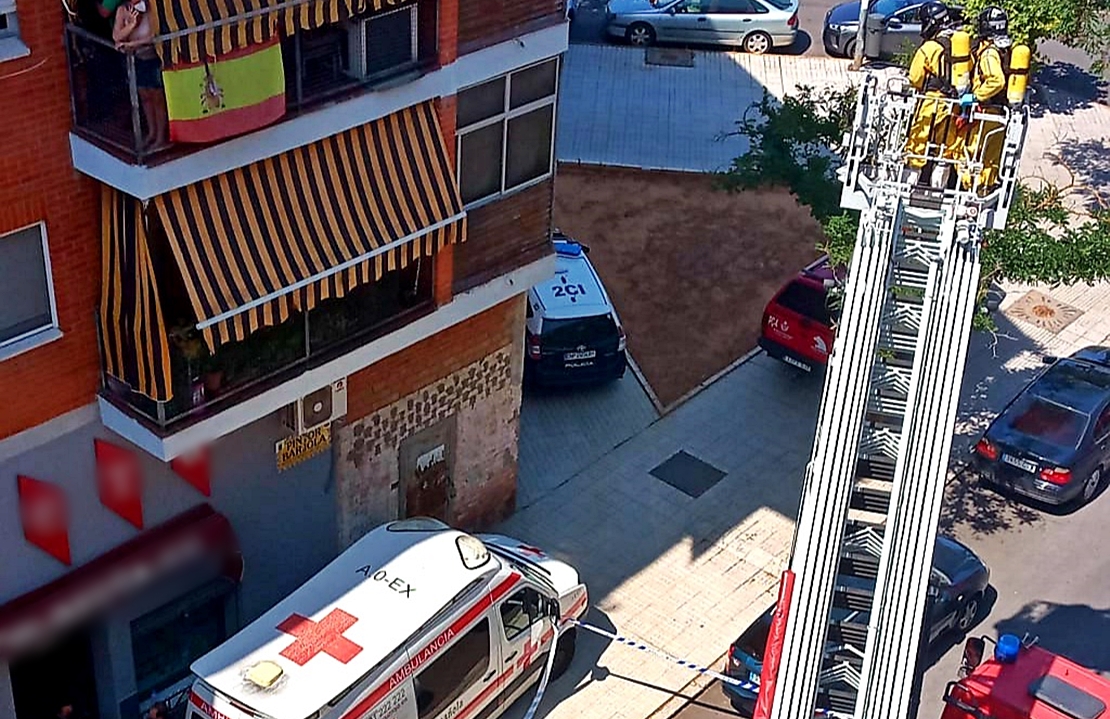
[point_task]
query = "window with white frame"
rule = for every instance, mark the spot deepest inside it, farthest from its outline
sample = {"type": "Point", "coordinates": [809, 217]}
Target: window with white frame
{"type": "Point", "coordinates": [26, 291]}
{"type": "Point", "coordinates": [506, 132]}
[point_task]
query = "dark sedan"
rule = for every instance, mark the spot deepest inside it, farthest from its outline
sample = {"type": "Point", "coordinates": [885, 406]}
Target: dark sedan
{"type": "Point", "coordinates": [956, 589]}
{"type": "Point", "coordinates": [901, 27]}
{"type": "Point", "coordinates": [1052, 442]}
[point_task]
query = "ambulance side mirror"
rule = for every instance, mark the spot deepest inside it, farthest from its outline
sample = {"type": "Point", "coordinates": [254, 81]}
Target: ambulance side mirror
{"type": "Point", "coordinates": [553, 609]}
{"type": "Point", "coordinates": [973, 652]}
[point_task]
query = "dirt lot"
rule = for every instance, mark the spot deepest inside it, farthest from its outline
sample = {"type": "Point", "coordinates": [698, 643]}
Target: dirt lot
{"type": "Point", "coordinates": [689, 267]}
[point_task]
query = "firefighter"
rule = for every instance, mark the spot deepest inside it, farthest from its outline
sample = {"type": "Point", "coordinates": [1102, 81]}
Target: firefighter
{"type": "Point", "coordinates": [932, 133]}
{"type": "Point", "coordinates": [987, 96]}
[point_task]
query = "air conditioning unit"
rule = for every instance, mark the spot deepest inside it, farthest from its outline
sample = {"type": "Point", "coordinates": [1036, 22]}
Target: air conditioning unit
{"type": "Point", "coordinates": [318, 408]}
{"type": "Point", "coordinates": [383, 42]}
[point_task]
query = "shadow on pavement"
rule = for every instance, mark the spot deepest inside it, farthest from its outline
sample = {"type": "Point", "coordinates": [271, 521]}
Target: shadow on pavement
{"type": "Point", "coordinates": [802, 43]}
{"type": "Point", "coordinates": [1076, 631]}
{"type": "Point", "coordinates": [1063, 87]}
{"type": "Point", "coordinates": [1088, 161]}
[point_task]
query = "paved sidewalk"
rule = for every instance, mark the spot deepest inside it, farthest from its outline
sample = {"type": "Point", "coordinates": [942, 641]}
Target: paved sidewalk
{"type": "Point", "coordinates": [616, 110]}
{"type": "Point", "coordinates": [685, 573]}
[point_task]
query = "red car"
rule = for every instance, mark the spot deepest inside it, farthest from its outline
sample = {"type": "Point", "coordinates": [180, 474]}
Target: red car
{"type": "Point", "coordinates": [798, 322]}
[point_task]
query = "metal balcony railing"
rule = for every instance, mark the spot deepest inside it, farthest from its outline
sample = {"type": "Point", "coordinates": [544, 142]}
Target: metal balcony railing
{"type": "Point", "coordinates": [321, 65]}
{"type": "Point", "coordinates": [206, 383]}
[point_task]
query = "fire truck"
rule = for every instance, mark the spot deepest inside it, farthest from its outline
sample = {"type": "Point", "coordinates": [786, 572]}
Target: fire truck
{"type": "Point", "coordinates": [1023, 681]}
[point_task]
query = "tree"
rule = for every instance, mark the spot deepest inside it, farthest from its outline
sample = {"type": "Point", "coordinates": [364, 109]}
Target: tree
{"type": "Point", "coordinates": [1082, 24]}
{"type": "Point", "coordinates": [795, 144]}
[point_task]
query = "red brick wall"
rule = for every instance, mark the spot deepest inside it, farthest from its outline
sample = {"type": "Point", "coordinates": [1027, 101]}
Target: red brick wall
{"type": "Point", "coordinates": [38, 182]}
{"type": "Point", "coordinates": [487, 22]}
{"type": "Point", "coordinates": [448, 31]}
{"type": "Point", "coordinates": [431, 359]}
{"type": "Point", "coordinates": [504, 235]}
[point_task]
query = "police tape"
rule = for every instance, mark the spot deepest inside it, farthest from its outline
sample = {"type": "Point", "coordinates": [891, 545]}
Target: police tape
{"type": "Point", "coordinates": [644, 647]}
{"type": "Point", "coordinates": [738, 683]}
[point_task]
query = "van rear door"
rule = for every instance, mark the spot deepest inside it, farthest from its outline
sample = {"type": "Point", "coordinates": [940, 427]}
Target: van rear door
{"type": "Point", "coordinates": [800, 319]}
{"type": "Point", "coordinates": [526, 630]}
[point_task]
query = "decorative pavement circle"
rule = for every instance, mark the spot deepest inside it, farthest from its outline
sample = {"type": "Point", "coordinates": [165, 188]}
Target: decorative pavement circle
{"type": "Point", "coordinates": [1043, 311]}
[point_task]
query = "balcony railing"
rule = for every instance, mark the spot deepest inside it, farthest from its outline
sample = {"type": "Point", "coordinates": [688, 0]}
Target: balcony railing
{"type": "Point", "coordinates": [205, 384]}
{"type": "Point", "coordinates": [112, 110]}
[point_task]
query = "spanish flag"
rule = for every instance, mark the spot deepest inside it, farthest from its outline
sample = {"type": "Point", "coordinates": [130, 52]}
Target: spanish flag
{"type": "Point", "coordinates": [226, 96]}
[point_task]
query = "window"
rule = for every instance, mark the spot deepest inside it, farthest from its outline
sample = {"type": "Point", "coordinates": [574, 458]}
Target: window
{"type": "Point", "coordinates": [910, 15]}
{"type": "Point", "coordinates": [11, 46]}
{"type": "Point", "coordinates": [1102, 427]}
{"type": "Point", "coordinates": [737, 7]}
{"type": "Point", "coordinates": [506, 131]}
{"type": "Point", "coordinates": [519, 612]}
{"type": "Point", "coordinates": [26, 291]}
{"type": "Point", "coordinates": [448, 676]}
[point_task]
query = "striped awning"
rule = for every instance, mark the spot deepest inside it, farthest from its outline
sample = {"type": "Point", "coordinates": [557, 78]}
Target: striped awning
{"type": "Point", "coordinates": [204, 29]}
{"type": "Point", "coordinates": [282, 234]}
{"type": "Point", "coordinates": [133, 334]}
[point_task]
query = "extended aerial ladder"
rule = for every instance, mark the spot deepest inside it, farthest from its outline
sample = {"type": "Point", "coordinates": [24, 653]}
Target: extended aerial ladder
{"type": "Point", "coordinates": [873, 488]}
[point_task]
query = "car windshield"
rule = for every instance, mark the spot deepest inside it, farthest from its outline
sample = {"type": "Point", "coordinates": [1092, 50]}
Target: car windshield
{"type": "Point", "coordinates": [1047, 421]}
{"type": "Point", "coordinates": [807, 300]}
{"type": "Point", "coordinates": [753, 641]}
{"type": "Point", "coordinates": [887, 7]}
{"type": "Point", "coordinates": [579, 331]}
{"type": "Point", "coordinates": [780, 4]}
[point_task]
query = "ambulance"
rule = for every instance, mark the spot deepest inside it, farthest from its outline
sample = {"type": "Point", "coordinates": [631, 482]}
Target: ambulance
{"type": "Point", "coordinates": [416, 620]}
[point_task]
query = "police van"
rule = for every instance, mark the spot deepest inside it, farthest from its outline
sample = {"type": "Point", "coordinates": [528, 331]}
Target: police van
{"type": "Point", "coordinates": [573, 334]}
{"type": "Point", "coordinates": [414, 621]}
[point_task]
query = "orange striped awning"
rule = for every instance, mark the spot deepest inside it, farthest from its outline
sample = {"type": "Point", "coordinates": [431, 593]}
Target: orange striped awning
{"type": "Point", "coordinates": [133, 334]}
{"type": "Point", "coordinates": [204, 29]}
{"type": "Point", "coordinates": [279, 235]}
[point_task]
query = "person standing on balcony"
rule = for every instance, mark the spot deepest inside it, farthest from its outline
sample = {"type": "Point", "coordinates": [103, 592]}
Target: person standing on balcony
{"type": "Point", "coordinates": [133, 31]}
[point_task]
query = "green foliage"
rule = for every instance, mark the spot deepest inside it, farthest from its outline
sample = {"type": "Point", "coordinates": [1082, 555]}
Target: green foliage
{"type": "Point", "coordinates": [1083, 24]}
{"type": "Point", "coordinates": [794, 144]}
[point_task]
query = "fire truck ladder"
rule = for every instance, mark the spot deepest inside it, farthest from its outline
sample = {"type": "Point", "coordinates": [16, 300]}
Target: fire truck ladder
{"type": "Point", "coordinates": [871, 499]}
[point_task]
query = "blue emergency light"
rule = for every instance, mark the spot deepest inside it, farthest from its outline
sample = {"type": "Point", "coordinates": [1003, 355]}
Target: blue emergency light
{"type": "Point", "coordinates": [1006, 651]}
{"type": "Point", "coordinates": [568, 249]}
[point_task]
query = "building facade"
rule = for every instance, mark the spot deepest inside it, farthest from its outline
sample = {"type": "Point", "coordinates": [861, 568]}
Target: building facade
{"type": "Point", "coordinates": [261, 289]}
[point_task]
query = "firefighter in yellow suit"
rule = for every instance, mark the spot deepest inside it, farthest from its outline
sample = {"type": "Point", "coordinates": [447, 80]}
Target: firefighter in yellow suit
{"type": "Point", "coordinates": [933, 131]}
{"type": "Point", "coordinates": [988, 95]}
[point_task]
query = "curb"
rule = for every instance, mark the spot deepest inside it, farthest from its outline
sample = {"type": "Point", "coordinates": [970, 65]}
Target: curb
{"type": "Point", "coordinates": [710, 380]}
{"type": "Point", "coordinates": [685, 694]}
{"type": "Point", "coordinates": [639, 374]}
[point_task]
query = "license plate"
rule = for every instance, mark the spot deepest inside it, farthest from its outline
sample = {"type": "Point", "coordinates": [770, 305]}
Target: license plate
{"type": "Point", "coordinates": [797, 363]}
{"type": "Point", "coordinates": [1020, 463]}
{"type": "Point", "coordinates": [753, 677]}
{"type": "Point", "coordinates": [572, 356]}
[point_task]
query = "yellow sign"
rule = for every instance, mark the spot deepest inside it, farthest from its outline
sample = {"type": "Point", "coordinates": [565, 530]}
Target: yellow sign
{"type": "Point", "coordinates": [291, 451]}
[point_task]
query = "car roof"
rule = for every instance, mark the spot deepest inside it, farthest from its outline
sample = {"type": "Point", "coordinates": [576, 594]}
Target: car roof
{"type": "Point", "coordinates": [366, 584]}
{"type": "Point", "coordinates": [1074, 383]}
{"type": "Point", "coordinates": [949, 555]}
{"type": "Point", "coordinates": [572, 268]}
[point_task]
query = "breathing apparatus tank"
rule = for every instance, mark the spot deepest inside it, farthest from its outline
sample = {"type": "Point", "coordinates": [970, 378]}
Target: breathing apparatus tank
{"type": "Point", "coordinates": [961, 61]}
{"type": "Point", "coordinates": [1019, 75]}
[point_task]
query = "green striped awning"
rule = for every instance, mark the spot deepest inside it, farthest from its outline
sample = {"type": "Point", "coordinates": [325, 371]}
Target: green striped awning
{"type": "Point", "coordinates": [281, 234]}
{"type": "Point", "coordinates": [133, 335]}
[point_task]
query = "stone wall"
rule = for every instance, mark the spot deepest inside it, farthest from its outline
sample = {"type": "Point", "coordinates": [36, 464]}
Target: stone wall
{"type": "Point", "coordinates": [481, 402]}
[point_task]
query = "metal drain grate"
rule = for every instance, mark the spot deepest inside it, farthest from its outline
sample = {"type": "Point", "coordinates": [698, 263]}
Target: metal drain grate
{"type": "Point", "coordinates": [669, 57]}
{"type": "Point", "coordinates": [1043, 311]}
{"type": "Point", "coordinates": [688, 474]}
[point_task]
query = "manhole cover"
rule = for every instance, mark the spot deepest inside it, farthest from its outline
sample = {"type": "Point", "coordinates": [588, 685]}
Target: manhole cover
{"type": "Point", "coordinates": [669, 56]}
{"type": "Point", "coordinates": [688, 474]}
{"type": "Point", "coordinates": [1043, 311]}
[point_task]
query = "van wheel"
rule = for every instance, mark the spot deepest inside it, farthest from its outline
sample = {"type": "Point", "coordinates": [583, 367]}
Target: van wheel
{"type": "Point", "coordinates": [564, 653]}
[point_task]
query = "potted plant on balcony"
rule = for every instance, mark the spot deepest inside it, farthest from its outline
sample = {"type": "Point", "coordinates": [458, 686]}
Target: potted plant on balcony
{"type": "Point", "coordinates": [205, 374]}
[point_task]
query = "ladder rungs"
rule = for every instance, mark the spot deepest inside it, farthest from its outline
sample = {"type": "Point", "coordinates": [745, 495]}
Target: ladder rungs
{"type": "Point", "coordinates": [864, 517]}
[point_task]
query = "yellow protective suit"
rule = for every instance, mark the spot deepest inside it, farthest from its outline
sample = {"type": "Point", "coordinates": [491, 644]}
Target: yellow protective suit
{"type": "Point", "coordinates": [984, 140]}
{"type": "Point", "coordinates": [932, 133]}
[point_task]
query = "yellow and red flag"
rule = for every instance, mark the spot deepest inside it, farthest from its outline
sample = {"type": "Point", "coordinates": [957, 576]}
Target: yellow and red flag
{"type": "Point", "coordinates": [226, 96]}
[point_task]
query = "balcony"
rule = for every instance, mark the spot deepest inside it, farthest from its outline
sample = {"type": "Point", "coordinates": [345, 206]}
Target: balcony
{"type": "Point", "coordinates": [116, 109]}
{"type": "Point", "coordinates": [205, 383]}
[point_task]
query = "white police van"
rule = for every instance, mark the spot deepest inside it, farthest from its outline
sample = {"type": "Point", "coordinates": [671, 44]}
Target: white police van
{"type": "Point", "coordinates": [414, 621]}
{"type": "Point", "coordinates": [573, 334]}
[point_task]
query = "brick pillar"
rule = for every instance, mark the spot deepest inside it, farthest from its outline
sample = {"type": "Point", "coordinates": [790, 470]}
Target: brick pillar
{"type": "Point", "coordinates": [448, 31]}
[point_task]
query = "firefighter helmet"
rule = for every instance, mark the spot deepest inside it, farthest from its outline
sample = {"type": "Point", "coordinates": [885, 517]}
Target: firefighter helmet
{"type": "Point", "coordinates": [934, 17]}
{"type": "Point", "coordinates": [993, 22]}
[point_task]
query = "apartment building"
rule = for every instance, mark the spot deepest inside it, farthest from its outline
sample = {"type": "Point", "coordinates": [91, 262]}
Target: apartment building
{"type": "Point", "coordinates": [261, 289]}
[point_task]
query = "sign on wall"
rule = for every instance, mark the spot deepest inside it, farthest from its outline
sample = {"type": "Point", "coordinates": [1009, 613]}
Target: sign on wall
{"type": "Point", "coordinates": [291, 451]}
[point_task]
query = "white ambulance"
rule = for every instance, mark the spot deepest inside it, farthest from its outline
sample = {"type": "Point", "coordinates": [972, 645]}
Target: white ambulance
{"type": "Point", "coordinates": [414, 621]}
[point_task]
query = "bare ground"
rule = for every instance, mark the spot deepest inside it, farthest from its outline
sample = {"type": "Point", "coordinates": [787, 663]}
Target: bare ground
{"type": "Point", "coordinates": [689, 267]}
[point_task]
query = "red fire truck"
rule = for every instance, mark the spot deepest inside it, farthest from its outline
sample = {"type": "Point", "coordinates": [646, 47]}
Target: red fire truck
{"type": "Point", "coordinates": [1023, 681]}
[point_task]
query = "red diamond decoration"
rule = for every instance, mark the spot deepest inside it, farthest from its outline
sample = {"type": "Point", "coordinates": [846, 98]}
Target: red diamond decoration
{"type": "Point", "coordinates": [315, 637]}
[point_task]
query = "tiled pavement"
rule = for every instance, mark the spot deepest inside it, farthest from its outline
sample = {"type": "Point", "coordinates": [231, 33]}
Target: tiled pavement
{"type": "Point", "coordinates": [688, 574]}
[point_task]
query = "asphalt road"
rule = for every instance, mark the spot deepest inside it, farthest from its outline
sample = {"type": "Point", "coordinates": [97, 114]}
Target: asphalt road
{"type": "Point", "coordinates": [589, 27]}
